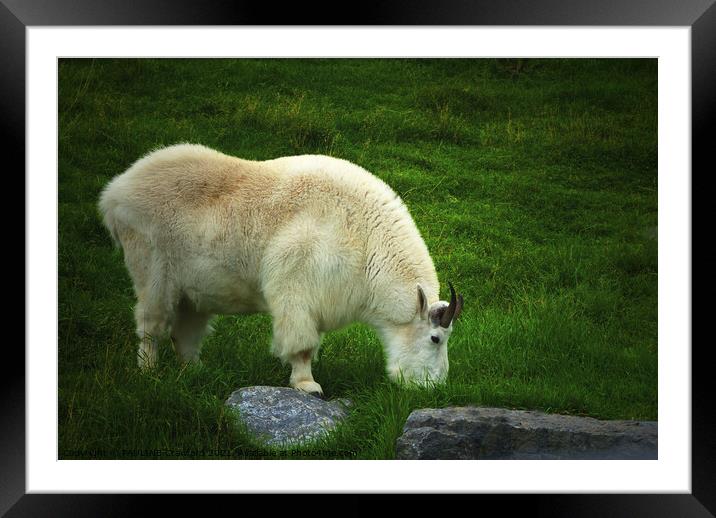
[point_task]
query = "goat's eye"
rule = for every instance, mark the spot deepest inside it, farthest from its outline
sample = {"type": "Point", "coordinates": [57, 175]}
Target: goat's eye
{"type": "Point", "coordinates": [435, 339]}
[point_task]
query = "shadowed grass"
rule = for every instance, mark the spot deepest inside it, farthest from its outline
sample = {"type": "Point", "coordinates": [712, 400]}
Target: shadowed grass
{"type": "Point", "coordinates": [533, 183]}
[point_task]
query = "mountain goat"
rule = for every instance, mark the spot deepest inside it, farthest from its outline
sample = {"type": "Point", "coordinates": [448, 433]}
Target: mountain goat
{"type": "Point", "coordinates": [315, 241]}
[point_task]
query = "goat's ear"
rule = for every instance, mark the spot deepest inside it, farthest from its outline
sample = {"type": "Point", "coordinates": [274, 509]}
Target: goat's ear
{"type": "Point", "coordinates": [422, 303]}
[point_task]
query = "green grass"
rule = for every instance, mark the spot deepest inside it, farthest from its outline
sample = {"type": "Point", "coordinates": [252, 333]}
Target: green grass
{"type": "Point", "coordinates": [533, 182]}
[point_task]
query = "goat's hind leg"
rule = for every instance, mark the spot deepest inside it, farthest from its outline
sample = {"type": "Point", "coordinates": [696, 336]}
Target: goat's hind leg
{"type": "Point", "coordinates": [150, 328]}
{"type": "Point", "coordinates": [188, 329]}
{"type": "Point", "coordinates": [154, 313]}
{"type": "Point", "coordinates": [156, 298]}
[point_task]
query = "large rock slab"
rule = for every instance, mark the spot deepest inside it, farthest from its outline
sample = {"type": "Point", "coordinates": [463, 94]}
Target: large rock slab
{"type": "Point", "coordinates": [282, 416]}
{"type": "Point", "coordinates": [496, 433]}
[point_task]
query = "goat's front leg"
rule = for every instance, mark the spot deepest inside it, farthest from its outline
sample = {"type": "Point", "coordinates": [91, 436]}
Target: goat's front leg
{"type": "Point", "coordinates": [296, 341]}
{"type": "Point", "coordinates": [301, 375]}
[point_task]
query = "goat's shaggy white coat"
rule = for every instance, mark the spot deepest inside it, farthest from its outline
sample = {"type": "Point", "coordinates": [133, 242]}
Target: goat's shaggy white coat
{"type": "Point", "coordinates": [315, 241]}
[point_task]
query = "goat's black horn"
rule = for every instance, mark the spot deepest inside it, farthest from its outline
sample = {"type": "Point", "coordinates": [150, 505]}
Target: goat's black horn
{"type": "Point", "coordinates": [450, 310]}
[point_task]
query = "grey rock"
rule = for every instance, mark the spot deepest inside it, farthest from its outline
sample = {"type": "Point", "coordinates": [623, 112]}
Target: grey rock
{"type": "Point", "coordinates": [497, 433]}
{"type": "Point", "coordinates": [282, 416]}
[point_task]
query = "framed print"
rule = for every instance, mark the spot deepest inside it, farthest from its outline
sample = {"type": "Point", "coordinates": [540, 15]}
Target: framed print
{"type": "Point", "coordinates": [544, 155]}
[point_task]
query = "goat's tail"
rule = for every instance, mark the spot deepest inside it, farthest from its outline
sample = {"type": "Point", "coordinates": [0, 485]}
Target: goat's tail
{"type": "Point", "coordinates": [109, 207]}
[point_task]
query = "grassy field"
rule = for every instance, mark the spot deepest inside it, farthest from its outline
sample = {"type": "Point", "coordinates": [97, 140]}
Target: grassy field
{"type": "Point", "coordinates": [533, 182]}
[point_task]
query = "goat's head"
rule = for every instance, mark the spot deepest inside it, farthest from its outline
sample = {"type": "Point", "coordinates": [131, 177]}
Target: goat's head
{"type": "Point", "coordinates": [417, 350]}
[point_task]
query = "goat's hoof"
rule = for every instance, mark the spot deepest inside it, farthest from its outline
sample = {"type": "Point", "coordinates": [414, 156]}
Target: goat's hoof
{"type": "Point", "coordinates": [310, 387]}
{"type": "Point", "coordinates": [146, 362]}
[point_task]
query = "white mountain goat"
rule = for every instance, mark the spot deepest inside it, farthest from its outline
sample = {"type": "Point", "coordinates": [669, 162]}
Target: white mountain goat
{"type": "Point", "coordinates": [315, 241]}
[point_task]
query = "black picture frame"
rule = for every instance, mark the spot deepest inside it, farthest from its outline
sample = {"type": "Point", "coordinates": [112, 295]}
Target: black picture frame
{"type": "Point", "coordinates": [699, 15]}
